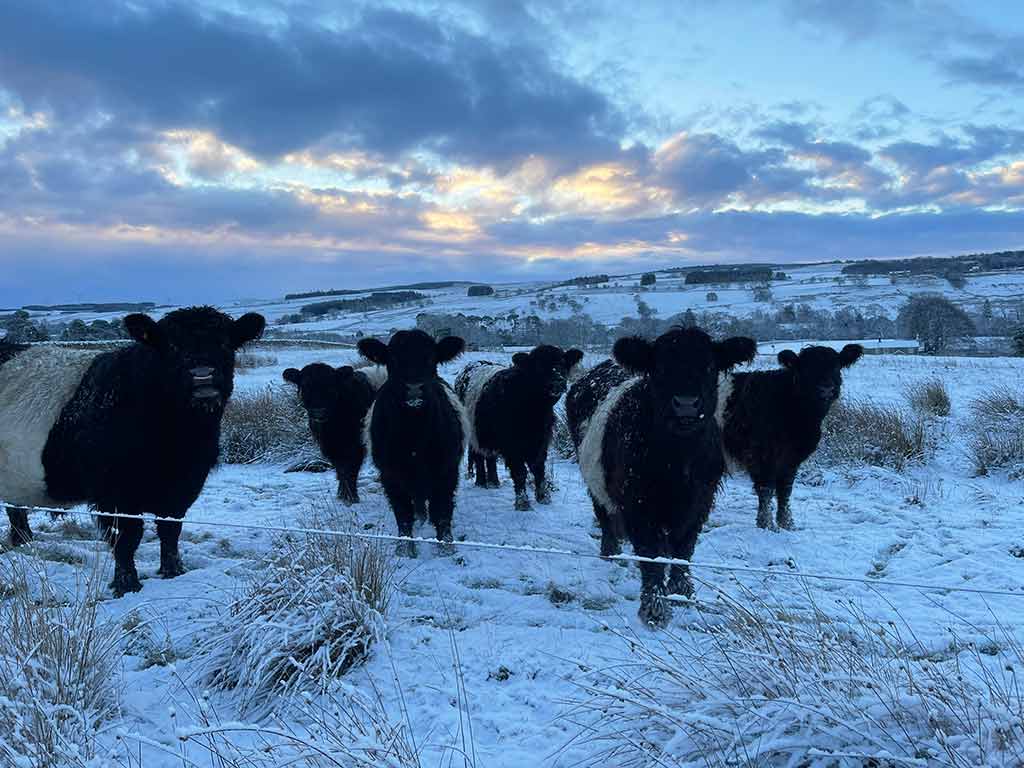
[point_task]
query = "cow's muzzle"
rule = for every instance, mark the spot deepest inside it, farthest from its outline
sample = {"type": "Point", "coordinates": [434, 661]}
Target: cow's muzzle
{"type": "Point", "coordinates": [414, 395]}
{"type": "Point", "coordinates": [203, 387]}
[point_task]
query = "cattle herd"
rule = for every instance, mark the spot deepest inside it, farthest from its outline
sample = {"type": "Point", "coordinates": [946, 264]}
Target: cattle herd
{"type": "Point", "coordinates": [655, 428]}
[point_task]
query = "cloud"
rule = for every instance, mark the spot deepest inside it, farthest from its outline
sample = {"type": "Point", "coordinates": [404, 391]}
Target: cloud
{"type": "Point", "coordinates": [388, 82]}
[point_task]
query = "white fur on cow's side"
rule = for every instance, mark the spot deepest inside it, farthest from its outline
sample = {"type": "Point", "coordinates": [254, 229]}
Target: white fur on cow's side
{"type": "Point", "coordinates": [34, 388]}
{"type": "Point", "coordinates": [376, 374]}
{"type": "Point", "coordinates": [726, 382]}
{"type": "Point", "coordinates": [591, 447]}
{"type": "Point", "coordinates": [478, 378]}
{"type": "Point", "coordinates": [460, 412]}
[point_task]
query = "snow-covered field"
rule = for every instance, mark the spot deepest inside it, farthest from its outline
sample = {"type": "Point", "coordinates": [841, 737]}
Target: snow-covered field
{"type": "Point", "coordinates": [488, 653]}
{"type": "Point", "coordinates": [822, 286]}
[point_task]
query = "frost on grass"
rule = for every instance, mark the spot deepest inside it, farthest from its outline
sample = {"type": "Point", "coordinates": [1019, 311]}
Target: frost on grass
{"type": "Point", "coordinates": [857, 432]}
{"type": "Point", "coordinates": [929, 398]}
{"type": "Point", "coordinates": [59, 663]}
{"type": "Point", "coordinates": [266, 425]}
{"type": "Point", "coordinates": [763, 685]}
{"type": "Point", "coordinates": [310, 613]}
{"type": "Point", "coordinates": [995, 431]}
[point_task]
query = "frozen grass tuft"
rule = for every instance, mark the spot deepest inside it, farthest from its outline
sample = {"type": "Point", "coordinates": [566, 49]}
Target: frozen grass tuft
{"type": "Point", "coordinates": [266, 425]}
{"type": "Point", "coordinates": [58, 670]}
{"type": "Point", "coordinates": [310, 613]}
{"type": "Point", "coordinates": [929, 398]}
{"type": "Point", "coordinates": [763, 685]}
{"type": "Point", "coordinates": [857, 432]}
{"type": "Point", "coordinates": [249, 359]}
{"type": "Point", "coordinates": [995, 431]}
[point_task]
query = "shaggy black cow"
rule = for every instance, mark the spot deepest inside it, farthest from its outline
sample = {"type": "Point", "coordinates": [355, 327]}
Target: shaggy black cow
{"type": "Point", "coordinates": [336, 401]}
{"type": "Point", "coordinates": [511, 414]}
{"type": "Point", "coordinates": [650, 450]}
{"type": "Point", "coordinates": [771, 420]}
{"type": "Point", "coordinates": [130, 431]}
{"type": "Point", "coordinates": [416, 430]}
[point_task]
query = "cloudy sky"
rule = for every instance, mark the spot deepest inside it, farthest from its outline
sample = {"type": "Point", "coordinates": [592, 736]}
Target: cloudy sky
{"type": "Point", "coordinates": [210, 150]}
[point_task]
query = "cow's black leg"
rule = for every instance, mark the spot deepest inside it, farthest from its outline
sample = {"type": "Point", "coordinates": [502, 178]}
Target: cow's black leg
{"type": "Point", "coordinates": [538, 469]}
{"type": "Point", "coordinates": [21, 532]}
{"type": "Point", "coordinates": [442, 509]}
{"type": "Point", "coordinates": [783, 490]}
{"type": "Point", "coordinates": [479, 469]}
{"type": "Point", "coordinates": [765, 494]}
{"type": "Point", "coordinates": [492, 472]}
{"type": "Point", "coordinates": [348, 477]}
{"type": "Point", "coordinates": [402, 505]}
{"type": "Point", "coordinates": [610, 545]}
{"type": "Point", "coordinates": [124, 537]}
{"type": "Point", "coordinates": [647, 542]}
{"type": "Point", "coordinates": [517, 468]}
{"type": "Point", "coordinates": [419, 507]}
{"type": "Point", "coordinates": [171, 565]}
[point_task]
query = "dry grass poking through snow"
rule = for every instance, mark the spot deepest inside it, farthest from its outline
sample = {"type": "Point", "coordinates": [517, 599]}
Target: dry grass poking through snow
{"type": "Point", "coordinates": [929, 398]}
{"type": "Point", "coordinates": [995, 431]}
{"type": "Point", "coordinates": [249, 359]}
{"type": "Point", "coordinates": [308, 614]}
{"type": "Point", "coordinates": [267, 425]}
{"type": "Point", "coordinates": [58, 669]}
{"type": "Point", "coordinates": [759, 685]}
{"type": "Point", "coordinates": [858, 432]}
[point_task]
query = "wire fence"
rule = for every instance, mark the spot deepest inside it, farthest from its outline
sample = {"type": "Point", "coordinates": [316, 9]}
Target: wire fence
{"type": "Point", "coordinates": [544, 551]}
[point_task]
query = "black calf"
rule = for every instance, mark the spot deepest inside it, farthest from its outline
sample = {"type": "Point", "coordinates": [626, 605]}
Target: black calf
{"type": "Point", "coordinates": [416, 430]}
{"type": "Point", "coordinates": [771, 420]}
{"type": "Point", "coordinates": [336, 401]}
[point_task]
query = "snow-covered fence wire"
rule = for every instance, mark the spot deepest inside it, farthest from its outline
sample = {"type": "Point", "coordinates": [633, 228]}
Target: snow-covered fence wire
{"type": "Point", "coordinates": [554, 552]}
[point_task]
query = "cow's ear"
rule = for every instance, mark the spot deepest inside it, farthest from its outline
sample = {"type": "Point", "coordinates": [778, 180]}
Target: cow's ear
{"type": "Point", "coordinates": [788, 358]}
{"type": "Point", "coordinates": [449, 348]}
{"type": "Point", "coordinates": [635, 354]}
{"type": "Point", "coordinates": [144, 329]}
{"type": "Point", "coordinates": [292, 375]}
{"type": "Point", "coordinates": [573, 358]}
{"type": "Point", "coordinates": [734, 351]}
{"type": "Point", "coordinates": [520, 359]}
{"type": "Point", "coordinates": [248, 327]}
{"type": "Point", "coordinates": [344, 371]}
{"type": "Point", "coordinates": [374, 350]}
{"type": "Point", "coordinates": [850, 354]}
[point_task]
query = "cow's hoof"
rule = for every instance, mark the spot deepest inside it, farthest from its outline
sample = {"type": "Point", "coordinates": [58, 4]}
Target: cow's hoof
{"type": "Point", "coordinates": [19, 536]}
{"type": "Point", "coordinates": [494, 484]}
{"type": "Point", "coordinates": [124, 582]}
{"type": "Point", "coordinates": [655, 610]}
{"type": "Point", "coordinates": [545, 499]}
{"type": "Point", "coordinates": [171, 567]}
{"type": "Point", "coordinates": [786, 523]}
{"type": "Point", "coordinates": [523, 504]}
{"type": "Point", "coordinates": [481, 483]}
{"type": "Point", "coordinates": [765, 522]}
{"type": "Point", "coordinates": [406, 549]}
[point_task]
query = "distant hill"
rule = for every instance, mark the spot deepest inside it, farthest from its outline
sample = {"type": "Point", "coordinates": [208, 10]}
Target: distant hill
{"type": "Point", "coordinates": [354, 291]}
{"type": "Point", "coordinates": [140, 306]}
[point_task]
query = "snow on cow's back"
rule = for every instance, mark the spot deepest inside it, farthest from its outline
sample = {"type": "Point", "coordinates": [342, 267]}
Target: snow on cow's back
{"type": "Point", "coordinates": [35, 385]}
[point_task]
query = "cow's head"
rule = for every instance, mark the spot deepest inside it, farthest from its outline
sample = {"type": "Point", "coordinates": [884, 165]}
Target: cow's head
{"type": "Point", "coordinates": [411, 358]}
{"type": "Point", "coordinates": [548, 368]}
{"type": "Point", "coordinates": [196, 348]}
{"type": "Point", "coordinates": [683, 366]}
{"type": "Point", "coordinates": [321, 389]}
{"type": "Point", "coordinates": [817, 372]}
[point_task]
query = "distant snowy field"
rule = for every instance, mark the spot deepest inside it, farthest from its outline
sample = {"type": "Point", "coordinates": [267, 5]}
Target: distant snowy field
{"type": "Point", "coordinates": [529, 628]}
{"type": "Point", "coordinates": [820, 286]}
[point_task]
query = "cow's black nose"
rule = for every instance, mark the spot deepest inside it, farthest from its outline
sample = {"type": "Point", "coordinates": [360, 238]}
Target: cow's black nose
{"type": "Point", "coordinates": [202, 374]}
{"type": "Point", "coordinates": [686, 407]}
{"type": "Point", "coordinates": [828, 391]}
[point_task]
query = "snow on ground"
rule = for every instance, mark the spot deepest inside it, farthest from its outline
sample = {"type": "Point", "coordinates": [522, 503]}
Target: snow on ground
{"type": "Point", "coordinates": [526, 626]}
